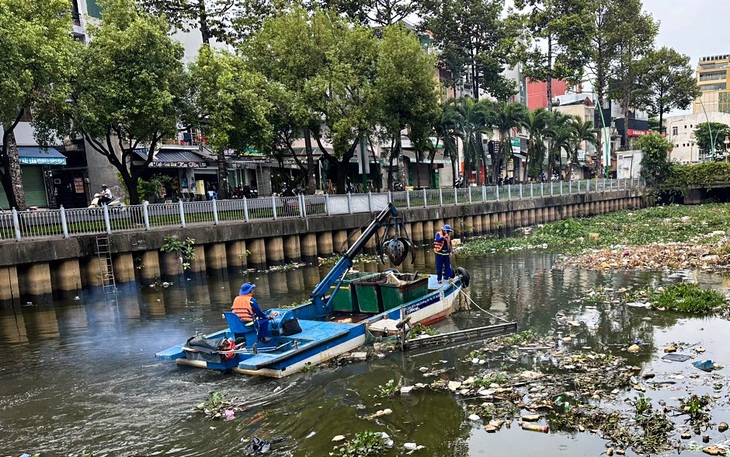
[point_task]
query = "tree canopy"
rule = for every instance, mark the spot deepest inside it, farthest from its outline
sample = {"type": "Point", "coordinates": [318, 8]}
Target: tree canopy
{"type": "Point", "coordinates": [36, 65]}
{"type": "Point", "coordinates": [130, 88]}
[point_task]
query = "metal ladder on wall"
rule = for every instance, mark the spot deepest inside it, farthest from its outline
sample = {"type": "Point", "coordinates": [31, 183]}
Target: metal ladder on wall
{"type": "Point", "coordinates": [105, 264]}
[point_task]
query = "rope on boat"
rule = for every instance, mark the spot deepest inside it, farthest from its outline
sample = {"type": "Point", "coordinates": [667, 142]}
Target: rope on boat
{"type": "Point", "coordinates": [475, 303]}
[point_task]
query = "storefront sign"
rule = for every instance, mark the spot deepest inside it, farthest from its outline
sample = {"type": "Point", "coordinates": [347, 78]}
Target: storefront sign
{"type": "Point", "coordinates": [157, 164]}
{"type": "Point", "coordinates": [42, 160]}
{"type": "Point", "coordinates": [79, 185]}
{"type": "Point", "coordinates": [632, 132]}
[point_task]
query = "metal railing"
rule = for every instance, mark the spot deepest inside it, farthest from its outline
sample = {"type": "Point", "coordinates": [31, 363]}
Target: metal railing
{"type": "Point", "coordinates": [20, 225]}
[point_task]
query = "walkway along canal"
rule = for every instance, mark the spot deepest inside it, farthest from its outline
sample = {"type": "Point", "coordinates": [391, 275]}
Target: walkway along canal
{"type": "Point", "coordinates": [64, 251]}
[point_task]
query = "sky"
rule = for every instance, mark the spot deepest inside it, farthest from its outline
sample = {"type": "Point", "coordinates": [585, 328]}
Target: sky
{"type": "Point", "coordinates": [695, 28]}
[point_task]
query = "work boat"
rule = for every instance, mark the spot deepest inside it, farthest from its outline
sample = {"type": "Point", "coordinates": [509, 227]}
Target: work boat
{"type": "Point", "coordinates": [343, 308]}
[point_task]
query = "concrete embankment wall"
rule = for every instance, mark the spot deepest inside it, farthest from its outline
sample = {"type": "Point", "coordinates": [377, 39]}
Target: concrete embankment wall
{"type": "Point", "coordinates": [65, 266]}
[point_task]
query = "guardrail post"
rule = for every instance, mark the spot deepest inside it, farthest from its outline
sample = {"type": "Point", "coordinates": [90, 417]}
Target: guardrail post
{"type": "Point", "coordinates": [520, 191]}
{"type": "Point", "coordinates": [532, 190]}
{"type": "Point", "coordinates": [107, 221]}
{"type": "Point", "coordinates": [509, 192]}
{"type": "Point", "coordinates": [484, 194]}
{"type": "Point", "coordinates": [561, 187]}
{"type": "Point", "coordinates": [327, 204]}
{"type": "Point", "coordinates": [390, 196]}
{"type": "Point", "coordinates": [215, 211]}
{"type": "Point", "coordinates": [588, 186]}
{"type": "Point", "coordinates": [245, 209]}
{"type": "Point", "coordinates": [456, 195]}
{"type": "Point", "coordinates": [370, 201]}
{"type": "Point", "coordinates": [349, 202]}
{"type": "Point", "coordinates": [496, 191]}
{"type": "Point", "coordinates": [302, 205]}
{"type": "Point", "coordinates": [425, 201]}
{"type": "Point", "coordinates": [551, 188]}
{"type": "Point", "coordinates": [146, 214]}
{"type": "Point", "coordinates": [408, 199]}
{"type": "Point", "coordinates": [542, 189]}
{"type": "Point", "coordinates": [182, 213]}
{"type": "Point", "coordinates": [16, 223]}
{"type": "Point", "coordinates": [570, 187]}
{"type": "Point", "coordinates": [64, 224]}
{"type": "Point", "coordinates": [441, 196]}
{"type": "Point", "coordinates": [579, 186]}
{"type": "Point", "coordinates": [468, 189]}
{"type": "Point", "coordinates": [273, 205]}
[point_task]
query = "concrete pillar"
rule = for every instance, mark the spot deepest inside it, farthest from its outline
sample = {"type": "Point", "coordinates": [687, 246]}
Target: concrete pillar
{"type": "Point", "coordinates": [236, 256]}
{"type": "Point", "coordinates": [292, 249]}
{"type": "Point", "coordinates": [339, 241]}
{"type": "Point", "coordinates": [324, 244]}
{"type": "Point", "coordinates": [417, 233]}
{"type": "Point", "coordinates": [468, 226]}
{"type": "Point", "coordinates": [198, 263]}
{"type": "Point", "coordinates": [149, 267]}
{"type": "Point", "coordinates": [170, 264]}
{"type": "Point", "coordinates": [517, 219]}
{"type": "Point", "coordinates": [494, 223]}
{"type": "Point", "coordinates": [274, 251]}
{"type": "Point", "coordinates": [409, 230]}
{"type": "Point", "coordinates": [531, 216]}
{"type": "Point", "coordinates": [308, 245]}
{"type": "Point", "coordinates": [509, 223]}
{"type": "Point", "coordinates": [9, 288]}
{"type": "Point", "coordinates": [35, 279]}
{"type": "Point", "coordinates": [257, 256]}
{"type": "Point", "coordinates": [91, 269]}
{"type": "Point", "coordinates": [551, 214]}
{"type": "Point", "coordinates": [65, 276]}
{"type": "Point", "coordinates": [502, 225]}
{"type": "Point", "coordinates": [123, 265]}
{"type": "Point", "coordinates": [486, 224]}
{"type": "Point", "coordinates": [216, 256]}
{"type": "Point", "coordinates": [429, 231]}
{"type": "Point", "coordinates": [478, 228]}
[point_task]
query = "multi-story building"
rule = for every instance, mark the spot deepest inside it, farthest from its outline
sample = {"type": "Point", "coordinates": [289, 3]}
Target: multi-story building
{"type": "Point", "coordinates": [713, 73]}
{"type": "Point", "coordinates": [680, 132]}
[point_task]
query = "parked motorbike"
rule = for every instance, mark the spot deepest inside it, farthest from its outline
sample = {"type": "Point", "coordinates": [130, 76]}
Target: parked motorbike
{"type": "Point", "coordinates": [250, 191]}
{"type": "Point", "coordinates": [116, 202]}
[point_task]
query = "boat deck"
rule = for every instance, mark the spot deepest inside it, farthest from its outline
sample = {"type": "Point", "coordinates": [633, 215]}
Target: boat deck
{"type": "Point", "coordinates": [314, 333]}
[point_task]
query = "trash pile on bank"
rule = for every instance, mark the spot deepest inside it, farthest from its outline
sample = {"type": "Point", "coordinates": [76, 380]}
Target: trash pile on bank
{"type": "Point", "coordinates": [657, 256]}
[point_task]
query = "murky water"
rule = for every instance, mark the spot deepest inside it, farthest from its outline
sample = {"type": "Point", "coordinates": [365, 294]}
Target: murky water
{"type": "Point", "coordinates": [79, 376]}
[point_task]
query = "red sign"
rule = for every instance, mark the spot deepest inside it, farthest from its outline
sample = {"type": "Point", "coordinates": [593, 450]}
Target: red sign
{"type": "Point", "coordinates": [632, 132]}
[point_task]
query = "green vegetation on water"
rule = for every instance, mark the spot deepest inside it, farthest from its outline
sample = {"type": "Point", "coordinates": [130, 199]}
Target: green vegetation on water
{"type": "Point", "coordinates": [700, 224]}
{"type": "Point", "coordinates": [365, 443]}
{"type": "Point", "coordinates": [687, 298]}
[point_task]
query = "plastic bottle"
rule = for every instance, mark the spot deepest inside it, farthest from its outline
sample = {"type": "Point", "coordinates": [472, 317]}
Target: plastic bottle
{"type": "Point", "coordinates": [536, 428]}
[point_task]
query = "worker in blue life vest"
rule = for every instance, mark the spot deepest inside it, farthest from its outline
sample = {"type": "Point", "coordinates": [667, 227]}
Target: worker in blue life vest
{"type": "Point", "coordinates": [246, 308]}
{"type": "Point", "coordinates": [443, 249]}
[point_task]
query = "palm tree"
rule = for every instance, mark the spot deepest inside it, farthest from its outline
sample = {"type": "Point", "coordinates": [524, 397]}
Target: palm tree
{"type": "Point", "coordinates": [505, 117]}
{"type": "Point", "coordinates": [446, 132]}
{"type": "Point", "coordinates": [535, 122]}
{"type": "Point", "coordinates": [560, 133]}
{"type": "Point", "coordinates": [471, 121]}
{"type": "Point", "coordinates": [584, 131]}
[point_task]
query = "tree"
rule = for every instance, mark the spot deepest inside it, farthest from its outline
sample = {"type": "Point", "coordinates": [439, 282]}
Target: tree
{"type": "Point", "coordinates": [560, 133]}
{"type": "Point", "coordinates": [655, 165]}
{"type": "Point", "coordinates": [564, 32]}
{"type": "Point", "coordinates": [470, 122]}
{"type": "Point", "coordinates": [406, 89]}
{"type": "Point", "coordinates": [376, 12]}
{"type": "Point", "coordinates": [212, 17]}
{"type": "Point", "coordinates": [583, 133]}
{"type": "Point", "coordinates": [231, 100]}
{"type": "Point", "coordinates": [474, 38]}
{"type": "Point", "coordinates": [446, 128]}
{"type": "Point", "coordinates": [667, 82]}
{"type": "Point", "coordinates": [535, 122]}
{"type": "Point", "coordinates": [635, 32]}
{"type": "Point", "coordinates": [505, 117]}
{"type": "Point", "coordinates": [710, 135]}
{"type": "Point", "coordinates": [36, 63]}
{"type": "Point", "coordinates": [130, 89]}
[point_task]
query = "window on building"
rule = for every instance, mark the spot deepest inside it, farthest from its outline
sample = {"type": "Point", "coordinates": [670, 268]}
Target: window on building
{"type": "Point", "coordinates": [93, 9]}
{"type": "Point", "coordinates": [675, 130]}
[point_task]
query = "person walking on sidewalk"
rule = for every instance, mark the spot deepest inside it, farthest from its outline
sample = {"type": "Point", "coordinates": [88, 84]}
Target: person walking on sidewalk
{"type": "Point", "coordinates": [443, 249]}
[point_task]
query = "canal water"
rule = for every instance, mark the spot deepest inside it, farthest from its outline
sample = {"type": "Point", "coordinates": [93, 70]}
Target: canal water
{"type": "Point", "coordinates": [79, 376]}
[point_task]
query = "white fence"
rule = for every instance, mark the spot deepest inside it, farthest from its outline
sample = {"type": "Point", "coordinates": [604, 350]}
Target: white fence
{"type": "Point", "coordinates": [62, 222]}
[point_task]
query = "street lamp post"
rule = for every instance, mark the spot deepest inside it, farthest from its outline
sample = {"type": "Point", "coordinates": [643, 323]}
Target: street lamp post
{"type": "Point", "coordinates": [727, 141]}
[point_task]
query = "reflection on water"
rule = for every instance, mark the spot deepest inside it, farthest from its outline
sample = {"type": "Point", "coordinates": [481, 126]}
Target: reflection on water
{"type": "Point", "coordinates": [80, 376]}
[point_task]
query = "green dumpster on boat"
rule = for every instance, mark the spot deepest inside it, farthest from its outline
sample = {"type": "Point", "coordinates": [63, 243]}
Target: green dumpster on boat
{"type": "Point", "coordinates": [345, 299]}
{"type": "Point", "coordinates": [367, 291]}
{"type": "Point", "coordinates": [401, 288]}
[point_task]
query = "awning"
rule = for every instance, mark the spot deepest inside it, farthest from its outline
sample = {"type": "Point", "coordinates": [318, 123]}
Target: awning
{"type": "Point", "coordinates": [173, 158]}
{"type": "Point", "coordinates": [35, 155]}
{"type": "Point", "coordinates": [411, 155]}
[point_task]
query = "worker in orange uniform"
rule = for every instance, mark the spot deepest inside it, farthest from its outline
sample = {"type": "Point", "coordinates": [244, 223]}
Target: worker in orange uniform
{"type": "Point", "coordinates": [247, 309]}
{"type": "Point", "coordinates": [443, 249]}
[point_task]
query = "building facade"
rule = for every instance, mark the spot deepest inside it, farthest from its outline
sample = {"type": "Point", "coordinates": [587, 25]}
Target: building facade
{"type": "Point", "coordinates": [680, 132]}
{"type": "Point", "coordinates": [712, 74]}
